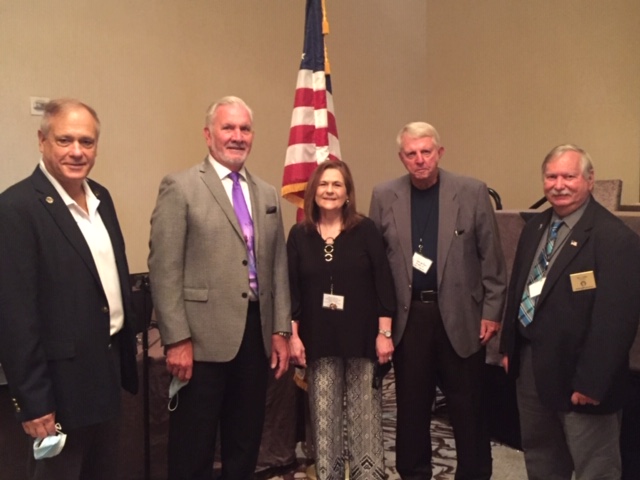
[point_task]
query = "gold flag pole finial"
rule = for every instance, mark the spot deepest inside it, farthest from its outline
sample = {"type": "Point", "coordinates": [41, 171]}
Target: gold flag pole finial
{"type": "Point", "coordinates": [325, 31]}
{"type": "Point", "coordinates": [325, 22]}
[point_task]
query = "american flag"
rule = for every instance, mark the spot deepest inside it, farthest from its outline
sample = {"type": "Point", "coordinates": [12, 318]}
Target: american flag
{"type": "Point", "coordinates": [313, 137]}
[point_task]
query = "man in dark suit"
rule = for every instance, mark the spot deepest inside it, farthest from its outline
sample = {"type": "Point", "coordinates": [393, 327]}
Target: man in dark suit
{"type": "Point", "coordinates": [220, 287]}
{"type": "Point", "coordinates": [450, 278]}
{"type": "Point", "coordinates": [66, 337]}
{"type": "Point", "coordinates": [571, 317]}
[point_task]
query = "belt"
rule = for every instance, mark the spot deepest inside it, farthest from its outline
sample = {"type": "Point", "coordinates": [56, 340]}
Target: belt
{"type": "Point", "coordinates": [425, 296]}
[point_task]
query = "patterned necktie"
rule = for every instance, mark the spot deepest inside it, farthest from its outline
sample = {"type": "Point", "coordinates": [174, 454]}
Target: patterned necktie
{"type": "Point", "coordinates": [246, 224]}
{"type": "Point", "coordinates": [527, 304]}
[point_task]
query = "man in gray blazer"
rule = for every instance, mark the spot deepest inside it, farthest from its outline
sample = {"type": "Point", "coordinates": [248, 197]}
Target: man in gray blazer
{"type": "Point", "coordinates": [220, 288]}
{"type": "Point", "coordinates": [450, 279]}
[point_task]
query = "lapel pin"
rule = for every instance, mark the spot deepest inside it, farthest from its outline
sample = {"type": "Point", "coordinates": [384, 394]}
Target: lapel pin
{"type": "Point", "coordinates": [49, 200]}
{"type": "Point", "coordinates": [540, 226]}
{"type": "Point", "coordinates": [574, 243]}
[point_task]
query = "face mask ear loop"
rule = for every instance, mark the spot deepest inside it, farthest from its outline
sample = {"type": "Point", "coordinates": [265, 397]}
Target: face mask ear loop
{"type": "Point", "coordinates": [173, 404]}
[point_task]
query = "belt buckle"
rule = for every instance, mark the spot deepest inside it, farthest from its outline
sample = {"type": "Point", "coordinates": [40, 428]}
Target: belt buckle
{"type": "Point", "coordinates": [427, 296]}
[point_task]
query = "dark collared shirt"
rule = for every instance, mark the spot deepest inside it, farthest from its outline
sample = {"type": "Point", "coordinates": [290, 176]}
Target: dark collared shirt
{"type": "Point", "coordinates": [425, 207]}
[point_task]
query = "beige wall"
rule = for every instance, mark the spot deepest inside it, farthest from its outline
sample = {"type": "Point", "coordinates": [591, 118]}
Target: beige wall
{"type": "Point", "coordinates": [503, 81]}
{"type": "Point", "coordinates": [508, 80]}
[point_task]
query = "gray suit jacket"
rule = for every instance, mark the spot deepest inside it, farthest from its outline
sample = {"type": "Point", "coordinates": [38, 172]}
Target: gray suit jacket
{"type": "Point", "coordinates": [198, 263]}
{"type": "Point", "coordinates": [471, 266]}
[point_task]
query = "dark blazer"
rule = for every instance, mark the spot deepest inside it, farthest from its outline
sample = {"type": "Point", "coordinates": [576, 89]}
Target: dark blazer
{"type": "Point", "coordinates": [55, 345]}
{"type": "Point", "coordinates": [472, 275]}
{"type": "Point", "coordinates": [580, 340]}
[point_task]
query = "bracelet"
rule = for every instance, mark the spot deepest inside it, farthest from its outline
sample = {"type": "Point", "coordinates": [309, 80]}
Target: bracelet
{"type": "Point", "coordinates": [283, 334]}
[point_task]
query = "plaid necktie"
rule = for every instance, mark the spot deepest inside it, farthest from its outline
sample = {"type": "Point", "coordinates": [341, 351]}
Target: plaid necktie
{"type": "Point", "coordinates": [246, 223]}
{"type": "Point", "coordinates": [527, 304]}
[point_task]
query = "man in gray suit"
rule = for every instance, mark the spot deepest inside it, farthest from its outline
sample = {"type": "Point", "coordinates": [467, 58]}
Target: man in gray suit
{"type": "Point", "coordinates": [220, 288]}
{"type": "Point", "coordinates": [450, 278]}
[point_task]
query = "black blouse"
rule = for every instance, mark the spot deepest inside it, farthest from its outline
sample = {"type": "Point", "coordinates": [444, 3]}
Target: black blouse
{"type": "Point", "coordinates": [360, 272]}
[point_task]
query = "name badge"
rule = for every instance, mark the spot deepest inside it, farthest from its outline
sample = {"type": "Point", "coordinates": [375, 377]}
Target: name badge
{"type": "Point", "coordinates": [583, 281]}
{"type": "Point", "coordinates": [333, 302]}
{"type": "Point", "coordinates": [535, 288]}
{"type": "Point", "coordinates": [421, 263]}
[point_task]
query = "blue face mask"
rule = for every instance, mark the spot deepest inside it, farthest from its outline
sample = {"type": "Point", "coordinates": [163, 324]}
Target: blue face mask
{"type": "Point", "coordinates": [175, 385]}
{"type": "Point", "coordinates": [49, 446]}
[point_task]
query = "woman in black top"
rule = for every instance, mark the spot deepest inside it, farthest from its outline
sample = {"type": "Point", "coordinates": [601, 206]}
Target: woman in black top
{"type": "Point", "coordinates": [342, 301]}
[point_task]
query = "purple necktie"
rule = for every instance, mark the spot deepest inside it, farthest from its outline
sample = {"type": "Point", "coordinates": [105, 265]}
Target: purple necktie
{"type": "Point", "coordinates": [246, 224]}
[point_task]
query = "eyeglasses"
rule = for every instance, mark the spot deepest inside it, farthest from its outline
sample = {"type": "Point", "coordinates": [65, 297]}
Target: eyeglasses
{"type": "Point", "coordinates": [328, 252]}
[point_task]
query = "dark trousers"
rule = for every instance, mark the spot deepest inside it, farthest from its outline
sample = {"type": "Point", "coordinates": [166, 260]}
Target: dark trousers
{"type": "Point", "coordinates": [89, 453]}
{"type": "Point", "coordinates": [630, 433]}
{"type": "Point", "coordinates": [13, 441]}
{"type": "Point", "coordinates": [424, 355]}
{"type": "Point", "coordinates": [230, 395]}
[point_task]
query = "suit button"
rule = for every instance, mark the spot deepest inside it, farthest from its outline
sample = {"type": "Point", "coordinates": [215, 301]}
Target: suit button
{"type": "Point", "coordinates": [105, 309]}
{"type": "Point", "coordinates": [406, 308]}
{"type": "Point", "coordinates": [244, 262]}
{"type": "Point", "coordinates": [244, 295]}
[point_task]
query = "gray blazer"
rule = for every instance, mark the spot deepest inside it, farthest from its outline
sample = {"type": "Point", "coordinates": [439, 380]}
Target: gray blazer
{"type": "Point", "coordinates": [198, 263]}
{"type": "Point", "coordinates": [471, 266]}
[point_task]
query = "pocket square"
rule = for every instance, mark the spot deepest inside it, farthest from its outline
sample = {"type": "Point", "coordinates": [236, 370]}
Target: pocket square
{"type": "Point", "coordinates": [271, 210]}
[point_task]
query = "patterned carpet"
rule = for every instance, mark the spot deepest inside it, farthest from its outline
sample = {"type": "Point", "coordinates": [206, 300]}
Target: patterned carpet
{"type": "Point", "coordinates": [508, 463]}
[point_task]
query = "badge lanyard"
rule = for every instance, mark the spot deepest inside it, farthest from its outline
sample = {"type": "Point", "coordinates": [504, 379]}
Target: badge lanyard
{"type": "Point", "coordinates": [329, 300]}
{"type": "Point", "coordinates": [419, 261]}
{"type": "Point", "coordinates": [424, 229]}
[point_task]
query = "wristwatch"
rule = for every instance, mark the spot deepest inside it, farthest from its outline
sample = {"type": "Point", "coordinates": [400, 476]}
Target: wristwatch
{"type": "Point", "coordinates": [386, 333]}
{"type": "Point", "coordinates": [283, 334]}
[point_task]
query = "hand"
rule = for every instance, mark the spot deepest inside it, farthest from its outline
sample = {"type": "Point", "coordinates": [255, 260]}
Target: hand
{"type": "Point", "coordinates": [298, 353]}
{"type": "Point", "coordinates": [384, 349]}
{"type": "Point", "coordinates": [41, 427]}
{"type": "Point", "coordinates": [580, 399]}
{"type": "Point", "coordinates": [488, 328]}
{"type": "Point", "coordinates": [279, 354]}
{"type": "Point", "coordinates": [180, 359]}
{"type": "Point", "coordinates": [505, 363]}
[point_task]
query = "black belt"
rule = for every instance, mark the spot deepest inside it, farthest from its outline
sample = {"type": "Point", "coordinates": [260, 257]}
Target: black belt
{"type": "Point", "coordinates": [425, 296]}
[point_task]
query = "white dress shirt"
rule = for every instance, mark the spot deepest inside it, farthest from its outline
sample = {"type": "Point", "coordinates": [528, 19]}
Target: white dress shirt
{"type": "Point", "coordinates": [95, 233]}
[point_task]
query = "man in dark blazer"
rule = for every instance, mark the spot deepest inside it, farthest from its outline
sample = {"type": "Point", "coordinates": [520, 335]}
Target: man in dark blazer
{"type": "Point", "coordinates": [221, 294]}
{"type": "Point", "coordinates": [67, 342]}
{"type": "Point", "coordinates": [571, 317]}
{"type": "Point", "coordinates": [450, 279]}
